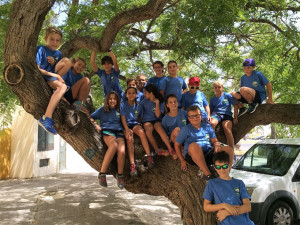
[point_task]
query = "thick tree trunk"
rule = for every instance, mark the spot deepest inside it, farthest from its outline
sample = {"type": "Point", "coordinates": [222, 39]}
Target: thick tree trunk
{"type": "Point", "coordinates": [21, 73]}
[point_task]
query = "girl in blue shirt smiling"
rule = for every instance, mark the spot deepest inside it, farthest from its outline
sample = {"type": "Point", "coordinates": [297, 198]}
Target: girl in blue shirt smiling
{"type": "Point", "coordinates": [113, 136]}
{"type": "Point", "coordinates": [174, 120]}
{"type": "Point", "coordinates": [150, 109]}
{"type": "Point", "coordinates": [129, 120]}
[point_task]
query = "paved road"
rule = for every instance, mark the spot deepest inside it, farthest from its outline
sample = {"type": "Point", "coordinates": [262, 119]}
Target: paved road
{"type": "Point", "coordinates": [77, 199]}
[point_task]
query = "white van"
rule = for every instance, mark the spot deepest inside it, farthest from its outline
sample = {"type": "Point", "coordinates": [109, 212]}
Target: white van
{"type": "Point", "coordinates": [270, 170]}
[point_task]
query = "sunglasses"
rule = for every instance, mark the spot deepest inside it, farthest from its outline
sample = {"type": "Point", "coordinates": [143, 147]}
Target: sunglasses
{"type": "Point", "coordinates": [194, 87]}
{"type": "Point", "coordinates": [194, 116]}
{"type": "Point", "coordinates": [218, 167]}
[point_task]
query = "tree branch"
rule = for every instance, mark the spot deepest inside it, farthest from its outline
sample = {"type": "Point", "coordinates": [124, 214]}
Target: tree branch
{"type": "Point", "coordinates": [264, 115]}
{"type": "Point", "coordinates": [270, 7]}
{"type": "Point", "coordinates": [151, 10]}
{"type": "Point", "coordinates": [267, 22]}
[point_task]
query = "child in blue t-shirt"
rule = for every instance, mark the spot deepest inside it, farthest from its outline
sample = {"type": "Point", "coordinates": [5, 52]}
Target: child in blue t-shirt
{"type": "Point", "coordinates": [78, 86]}
{"type": "Point", "coordinates": [195, 97]}
{"type": "Point", "coordinates": [220, 108]}
{"type": "Point", "coordinates": [252, 91]}
{"type": "Point", "coordinates": [150, 110]}
{"type": "Point", "coordinates": [226, 195]}
{"type": "Point", "coordinates": [173, 84]}
{"type": "Point", "coordinates": [131, 82]}
{"type": "Point", "coordinates": [200, 143]}
{"type": "Point", "coordinates": [141, 81]}
{"type": "Point", "coordinates": [112, 132]}
{"type": "Point", "coordinates": [53, 67]}
{"type": "Point", "coordinates": [129, 119]}
{"type": "Point", "coordinates": [175, 119]}
{"type": "Point", "coordinates": [158, 68]}
{"type": "Point", "coordinates": [109, 76]}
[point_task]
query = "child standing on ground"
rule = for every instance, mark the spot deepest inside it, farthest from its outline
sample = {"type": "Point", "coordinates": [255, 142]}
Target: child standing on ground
{"type": "Point", "coordinates": [53, 67]}
{"type": "Point", "coordinates": [158, 68]}
{"type": "Point", "coordinates": [196, 97]}
{"type": "Point", "coordinates": [226, 195]}
{"type": "Point", "coordinates": [220, 107]}
{"type": "Point", "coordinates": [80, 86]}
{"type": "Point", "coordinates": [173, 84]}
{"type": "Point", "coordinates": [113, 136]}
{"type": "Point", "coordinates": [175, 119]}
{"type": "Point", "coordinates": [109, 76]}
{"type": "Point", "coordinates": [150, 109]}
{"type": "Point", "coordinates": [252, 91]}
{"type": "Point", "coordinates": [129, 115]}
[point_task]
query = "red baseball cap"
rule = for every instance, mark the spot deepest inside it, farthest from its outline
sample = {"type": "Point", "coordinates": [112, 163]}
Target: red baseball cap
{"type": "Point", "coordinates": [194, 81]}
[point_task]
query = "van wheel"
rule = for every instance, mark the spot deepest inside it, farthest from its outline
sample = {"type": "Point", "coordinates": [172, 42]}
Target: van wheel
{"type": "Point", "coordinates": [280, 213]}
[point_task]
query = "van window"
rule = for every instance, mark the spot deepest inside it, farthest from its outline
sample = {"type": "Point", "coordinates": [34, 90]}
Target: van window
{"type": "Point", "coordinates": [273, 159]}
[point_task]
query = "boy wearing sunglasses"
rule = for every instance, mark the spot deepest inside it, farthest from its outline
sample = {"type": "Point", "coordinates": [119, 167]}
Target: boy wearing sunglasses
{"type": "Point", "coordinates": [195, 97]}
{"type": "Point", "coordinates": [226, 195]}
{"type": "Point", "coordinates": [200, 143]}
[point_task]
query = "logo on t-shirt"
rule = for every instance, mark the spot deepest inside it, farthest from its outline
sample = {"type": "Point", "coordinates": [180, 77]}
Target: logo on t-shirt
{"type": "Point", "coordinates": [112, 78]}
{"type": "Point", "coordinates": [237, 191]}
{"type": "Point", "coordinates": [56, 59]}
{"type": "Point", "coordinates": [118, 114]}
{"type": "Point", "coordinates": [254, 83]}
{"type": "Point", "coordinates": [225, 101]}
{"type": "Point", "coordinates": [154, 109]}
{"type": "Point", "coordinates": [183, 122]}
{"type": "Point", "coordinates": [136, 113]}
{"type": "Point", "coordinates": [207, 137]}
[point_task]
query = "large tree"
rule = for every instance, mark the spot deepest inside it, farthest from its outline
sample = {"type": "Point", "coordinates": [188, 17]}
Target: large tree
{"type": "Point", "coordinates": [192, 30]}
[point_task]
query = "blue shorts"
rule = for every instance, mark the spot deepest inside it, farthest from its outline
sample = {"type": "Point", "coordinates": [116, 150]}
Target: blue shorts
{"type": "Point", "coordinates": [69, 96]}
{"type": "Point", "coordinates": [152, 122]}
{"type": "Point", "coordinates": [131, 126]}
{"type": "Point", "coordinates": [256, 98]}
{"type": "Point", "coordinates": [116, 133]}
{"type": "Point", "coordinates": [221, 117]}
{"type": "Point", "coordinates": [208, 155]}
{"type": "Point", "coordinates": [49, 78]}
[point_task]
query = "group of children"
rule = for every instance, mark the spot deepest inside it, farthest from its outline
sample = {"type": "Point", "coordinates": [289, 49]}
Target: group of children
{"type": "Point", "coordinates": [182, 117]}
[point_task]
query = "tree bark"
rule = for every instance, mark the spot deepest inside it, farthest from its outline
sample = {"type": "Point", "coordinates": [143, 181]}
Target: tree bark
{"type": "Point", "coordinates": [184, 189]}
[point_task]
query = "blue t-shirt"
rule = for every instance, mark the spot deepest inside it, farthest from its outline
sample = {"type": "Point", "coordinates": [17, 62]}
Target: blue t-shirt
{"type": "Point", "coordinates": [110, 82]}
{"type": "Point", "coordinates": [156, 81]}
{"type": "Point", "coordinates": [108, 120]}
{"type": "Point", "coordinates": [198, 99]}
{"type": "Point", "coordinates": [173, 85]}
{"type": "Point", "coordinates": [189, 134]}
{"type": "Point", "coordinates": [70, 78]}
{"type": "Point", "coordinates": [139, 96]}
{"type": "Point", "coordinates": [222, 104]}
{"type": "Point", "coordinates": [231, 192]}
{"type": "Point", "coordinates": [147, 109]}
{"type": "Point", "coordinates": [42, 52]}
{"type": "Point", "coordinates": [256, 81]}
{"type": "Point", "coordinates": [169, 123]}
{"type": "Point", "coordinates": [130, 113]}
